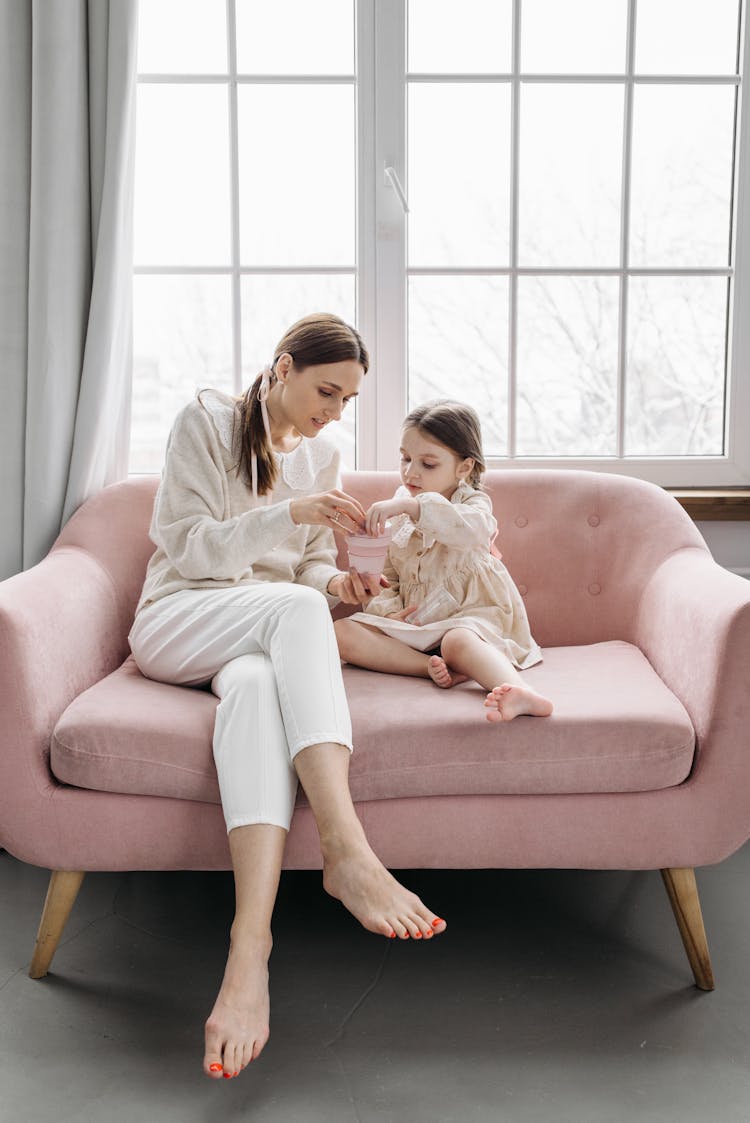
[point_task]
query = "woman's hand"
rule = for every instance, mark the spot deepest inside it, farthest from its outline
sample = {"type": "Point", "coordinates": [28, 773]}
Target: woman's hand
{"type": "Point", "coordinates": [356, 588]}
{"type": "Point", "coordinates": [378, 514]}
{"type": "Point", "coordinates": [334, 509]}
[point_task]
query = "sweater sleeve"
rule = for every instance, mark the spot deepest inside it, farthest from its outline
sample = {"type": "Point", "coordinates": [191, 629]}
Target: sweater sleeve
{"type": "Point", "coordinates": [318, 563]}
{"type": "Point", "coordinates": [464, 525]}
{"type": "Point", "coordinates": [188, 520]}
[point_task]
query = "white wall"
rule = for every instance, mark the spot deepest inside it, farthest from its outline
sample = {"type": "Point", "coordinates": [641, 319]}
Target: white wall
{"type": "Point", "coordinates": [729, 542]}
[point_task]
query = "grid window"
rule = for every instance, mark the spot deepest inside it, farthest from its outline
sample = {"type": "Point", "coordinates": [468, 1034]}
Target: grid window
{"type": "Point", "coordinates": [595, 167]}
{"type": "Point", "coordinates": [532, 205]}
{"type": "Point", "coordinates": [245, 195]}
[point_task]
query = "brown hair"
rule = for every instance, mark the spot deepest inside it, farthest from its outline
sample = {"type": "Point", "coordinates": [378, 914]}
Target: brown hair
{"type": "Point", "coordinates": [314, 340]}
{"type": "Point", "coordinates": [455, 425]}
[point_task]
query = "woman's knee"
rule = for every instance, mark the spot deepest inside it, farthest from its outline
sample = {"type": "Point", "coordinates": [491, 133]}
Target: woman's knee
{"type": "Point", "coordinates": [247, 677]}
{"type": "Point", "coordinates": [305, 603]}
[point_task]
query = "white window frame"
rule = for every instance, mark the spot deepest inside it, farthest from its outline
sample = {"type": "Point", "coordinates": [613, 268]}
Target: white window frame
{"type": "Point", "coordinates": [382, 255]}
{"type": "Point", "coordinates": [232, 79]}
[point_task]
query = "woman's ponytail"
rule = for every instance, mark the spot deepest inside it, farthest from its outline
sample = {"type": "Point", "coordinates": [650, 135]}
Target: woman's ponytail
{"type": "Point", "coordinates": [255, 447]}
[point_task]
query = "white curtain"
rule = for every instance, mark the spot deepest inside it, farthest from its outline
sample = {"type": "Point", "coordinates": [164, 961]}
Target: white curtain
{"type": "Point", "coordinates": [67, 121]}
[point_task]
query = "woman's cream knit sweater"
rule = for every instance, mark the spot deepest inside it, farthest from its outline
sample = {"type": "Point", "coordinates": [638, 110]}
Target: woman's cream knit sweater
{"type": "Point", "coordinates": [210, 533]}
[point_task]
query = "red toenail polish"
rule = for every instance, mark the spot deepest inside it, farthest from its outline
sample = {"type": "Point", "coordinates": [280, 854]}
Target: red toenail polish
{"type": "Point", "coordinates": [436, 921]}
{"type": "Point", "coordinates": [227, 1076]}
{"type": "Point", "coordinates": [215, 1068]}
{"type": "Point", "coordinates": [418, 936]}
{"type": "Point", "coordinates": [428, 935]}
{"type": "Point", "coordinates": [392, 936]}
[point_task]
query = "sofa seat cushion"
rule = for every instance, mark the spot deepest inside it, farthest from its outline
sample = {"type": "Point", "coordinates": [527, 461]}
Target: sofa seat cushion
{"type": "Point", "coordinates": [616, 728]}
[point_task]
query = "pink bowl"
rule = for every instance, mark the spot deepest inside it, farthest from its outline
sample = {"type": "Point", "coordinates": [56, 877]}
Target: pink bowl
{"type": "Point", "coordinates": [366, 553]}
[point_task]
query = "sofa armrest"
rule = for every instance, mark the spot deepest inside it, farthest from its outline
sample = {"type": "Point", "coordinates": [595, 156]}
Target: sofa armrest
{"type": "Point", "coordinates": [63, 626]}
{"type": "Point", "coordinates": [693, 624]}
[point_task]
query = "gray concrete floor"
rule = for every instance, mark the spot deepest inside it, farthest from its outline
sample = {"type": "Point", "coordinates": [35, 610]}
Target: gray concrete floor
{"type": "Point", "coordinates": [554, 995]}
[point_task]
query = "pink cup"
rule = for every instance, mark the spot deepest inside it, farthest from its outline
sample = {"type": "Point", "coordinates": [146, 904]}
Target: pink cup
{"type": "Point", "coordinates": [367, 554]}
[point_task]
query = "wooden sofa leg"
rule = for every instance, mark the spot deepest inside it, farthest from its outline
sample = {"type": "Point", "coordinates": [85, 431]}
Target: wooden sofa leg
{"type": "Point", "coordinates": [61, 895]}
{"type": "Point", "coordinates": [683, 897]}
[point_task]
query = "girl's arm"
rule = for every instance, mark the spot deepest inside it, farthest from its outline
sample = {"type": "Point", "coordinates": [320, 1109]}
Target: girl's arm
{"type": "Point", "coordinates": [188, 520]}
{"type": "Point", "coordinates": [378, 514]}
{"type": "Point", "coordinates": [462, 525]}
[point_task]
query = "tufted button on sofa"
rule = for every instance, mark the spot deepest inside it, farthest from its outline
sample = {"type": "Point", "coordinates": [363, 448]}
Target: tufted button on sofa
{"type": "Point", "coordinates": [643, 765]}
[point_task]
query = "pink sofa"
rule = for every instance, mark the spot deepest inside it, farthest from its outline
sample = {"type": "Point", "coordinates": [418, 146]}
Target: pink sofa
{"type": "Point", "coordinates": [644, 764]}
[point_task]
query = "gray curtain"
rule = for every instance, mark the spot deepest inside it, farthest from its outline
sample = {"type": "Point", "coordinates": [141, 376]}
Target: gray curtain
{"type": "Point", "coordinates": [67, 121]}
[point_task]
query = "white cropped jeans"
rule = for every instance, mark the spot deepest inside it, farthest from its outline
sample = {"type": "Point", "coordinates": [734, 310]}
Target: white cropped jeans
{"type": "Point", "coordinates": [269, 651]}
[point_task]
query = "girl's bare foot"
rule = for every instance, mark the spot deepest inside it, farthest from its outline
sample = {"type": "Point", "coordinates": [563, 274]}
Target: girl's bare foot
{"type": "Point", "coordinates": [356, 877]}
{"type": "Point", "coordinates": [441, 674]}
{"type": "Point", "coordinates": [508, 701]}
{"type": "Point", "coordinates": [237, 1028]}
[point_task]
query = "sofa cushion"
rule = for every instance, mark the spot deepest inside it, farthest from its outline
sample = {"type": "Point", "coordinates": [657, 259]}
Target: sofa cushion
{"type": "Point", "coordinates": [616, 728]}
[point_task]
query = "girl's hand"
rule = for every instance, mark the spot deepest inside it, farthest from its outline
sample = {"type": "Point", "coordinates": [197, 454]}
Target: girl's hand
{"type": "Point", "coordinates": [334, 509]}
{"type": "Point", "coordinates": [378, 514]}
{"type": "Point", "coordinates": [356, 588]}
{"type": "Point", "coordinates": [402, 613]}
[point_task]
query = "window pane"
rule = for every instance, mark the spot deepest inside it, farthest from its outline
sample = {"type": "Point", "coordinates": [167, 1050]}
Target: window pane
{"type": "Point", "coordinates": [182, 340]}
{"type": "Point", "coordinates": [272, 304]}
{"type": "Point", "coordinates": [579, 36]}
{"type": "Point", "coordinates": [567, 366]}
{"type": "Point", "coordinates": [182, 37]}
{"type": "Point", "coordinates": [675, 374]}
{"type": "Point", "coordinates": [295, 37]}
{"type": "Point", "coordinates": [475, 38]}
{"type": "Point", "coordinates": [682, 175]}
{"type": "Point", "coordinates": [182, 176]}
{"type": "Point", "coordinates": [458, 348]}
{"type": "Point", "coordinates": [297, 175]}
{"type": "Point", "coordinates": [459, 177]}
{"type": "Point", "coordinates": [686, 37]}
{"type": "Point", "coordinates": [570, 175]}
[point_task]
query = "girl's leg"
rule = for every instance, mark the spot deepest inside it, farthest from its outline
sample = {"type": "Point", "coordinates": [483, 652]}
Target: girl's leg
{"type": "Point", "coordinates": [509, 696]}
{"type": "Point", "coordinates": [366, 646]}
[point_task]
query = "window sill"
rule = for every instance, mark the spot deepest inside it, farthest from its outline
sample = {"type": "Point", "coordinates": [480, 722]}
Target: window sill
{"type": "Point", "coordinates": [714, 504]}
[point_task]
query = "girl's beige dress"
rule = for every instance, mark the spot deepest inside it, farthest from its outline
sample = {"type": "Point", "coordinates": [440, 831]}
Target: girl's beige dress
{"type": "Point", "coordinates": [449, 547]}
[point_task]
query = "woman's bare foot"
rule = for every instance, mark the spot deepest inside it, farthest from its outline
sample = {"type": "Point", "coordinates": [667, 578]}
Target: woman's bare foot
{"type": "Point", "coordinates": [508, 701]}
{"type": "Point", "coordinates": [237, 1028]}
{"type": "Point", "coordinates": [441, 674]}
{"type": "Point", "coordinates": [356, 877]}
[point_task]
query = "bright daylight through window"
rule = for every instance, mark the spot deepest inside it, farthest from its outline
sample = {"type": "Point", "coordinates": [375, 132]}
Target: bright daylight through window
{"type": "Point", "coordinates": [564, 251]}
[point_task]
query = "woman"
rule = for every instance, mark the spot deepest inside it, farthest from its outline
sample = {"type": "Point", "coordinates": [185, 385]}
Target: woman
{"type": "Point", "coordinates": [238, 593]}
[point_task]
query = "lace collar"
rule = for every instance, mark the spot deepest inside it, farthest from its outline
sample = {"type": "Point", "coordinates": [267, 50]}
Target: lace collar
{"type": "Point", "coordinates": [299, 467]}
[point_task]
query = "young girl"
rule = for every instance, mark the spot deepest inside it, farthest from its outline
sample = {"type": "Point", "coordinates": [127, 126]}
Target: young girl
{"type": "Point", "coordinates": [443, 530]}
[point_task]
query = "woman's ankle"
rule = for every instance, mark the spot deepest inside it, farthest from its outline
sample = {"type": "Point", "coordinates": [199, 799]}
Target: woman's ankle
{"type": "Point", "coordinates": [247, 939]}
{"type": "Point", "coordinates": [343, 841]}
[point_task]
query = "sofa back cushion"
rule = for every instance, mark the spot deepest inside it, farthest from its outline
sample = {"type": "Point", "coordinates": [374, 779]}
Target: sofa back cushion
{"type": "Point", "coordinates": [580, 545]}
